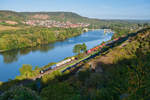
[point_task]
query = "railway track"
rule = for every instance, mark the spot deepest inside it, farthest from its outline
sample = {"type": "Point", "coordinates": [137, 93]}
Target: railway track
{"type": "Point", "coordinates": [50, 71]}
{"type": "Point", "coordinates": [75, 62]}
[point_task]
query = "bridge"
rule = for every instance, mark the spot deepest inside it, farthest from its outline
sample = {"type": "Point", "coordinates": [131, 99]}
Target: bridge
{"type": "Point", "coordinates": [87, 29]}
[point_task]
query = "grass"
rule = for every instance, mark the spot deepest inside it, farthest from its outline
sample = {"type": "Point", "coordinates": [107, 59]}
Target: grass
{"type": "Point", "coordinates": [4, 28]}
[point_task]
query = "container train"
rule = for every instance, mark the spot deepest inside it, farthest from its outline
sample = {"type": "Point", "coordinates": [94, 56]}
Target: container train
{"type": "Point", "coordinates": [101, 46]}
{"type": "Point", "coordinates": [58, 64]}
{"type": "Point", "coordinates": [73, 58]}
{"type": "Point", "coordinates": [92, 56]}
{"type": "Point", "coordinates": [84, 59]}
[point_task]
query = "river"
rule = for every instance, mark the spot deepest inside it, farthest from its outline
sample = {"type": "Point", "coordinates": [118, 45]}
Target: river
{"type": "Point", "coordinates": [11, 61]}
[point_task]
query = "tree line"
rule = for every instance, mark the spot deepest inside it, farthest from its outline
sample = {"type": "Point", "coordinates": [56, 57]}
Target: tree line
{"type": "Point", "coordinates": [34, 36]}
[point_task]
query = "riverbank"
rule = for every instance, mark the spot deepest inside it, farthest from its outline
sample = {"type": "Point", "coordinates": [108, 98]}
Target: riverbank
{"type": "Point", "coordinates": [31, 37]}
{"type": "Point", "coordinates": [11, 61]}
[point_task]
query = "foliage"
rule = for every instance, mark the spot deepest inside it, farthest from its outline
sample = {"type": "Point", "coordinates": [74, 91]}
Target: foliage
{"type": "Point", "coordinates": [59, 91]}
{"type": "Point", "coordinates": [1, 83]}
{"type": "Point", "coordinates": [31, 37]}
{"type": "Point", "coordinates": [79, 48]}
{"type": "Point", "coordinates": [120, 32]}
{"type": "Point", "coordinates": [19, 93]}
{"type": "Point", "coordinates": [26, 72]}
{"type": "Point", "coordinates": [50, 76]}
{"type": "Point", "coordinates": [25, 69]}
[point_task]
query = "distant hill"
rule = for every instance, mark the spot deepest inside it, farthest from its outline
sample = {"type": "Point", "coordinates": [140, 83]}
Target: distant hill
{"type": "Point", "coordinates": [58, 16]}
{"type": "Point", "coordinates": [11, 15]}
{"type": "Point", "coordinates": [54, 15]}
{"type": "Point", "coordinates": [19, 17]}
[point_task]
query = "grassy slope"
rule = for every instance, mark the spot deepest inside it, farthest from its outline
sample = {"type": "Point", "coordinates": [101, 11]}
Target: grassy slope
{"type": "Point", "coordinates": [123, 50]}
{"type": "Point", "coordinates": [4, 28]}
{"type": "Point", "coordinates": [124, 70]}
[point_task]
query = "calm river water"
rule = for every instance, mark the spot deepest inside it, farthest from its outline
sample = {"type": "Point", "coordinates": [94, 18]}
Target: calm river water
{"type": "Point", "coordinates": [11, 61]}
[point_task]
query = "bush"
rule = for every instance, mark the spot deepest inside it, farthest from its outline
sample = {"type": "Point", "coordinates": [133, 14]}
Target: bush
{"type": "Point", "coordinates": [19, 93]}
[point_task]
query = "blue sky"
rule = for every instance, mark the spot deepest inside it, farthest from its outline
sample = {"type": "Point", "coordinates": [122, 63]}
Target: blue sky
{"type": "Point", "coordinates": [102, 9]}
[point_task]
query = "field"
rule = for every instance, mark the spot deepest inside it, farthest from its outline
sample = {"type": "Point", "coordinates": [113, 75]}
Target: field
{"type": "Point", "coordinates": [3, 28]}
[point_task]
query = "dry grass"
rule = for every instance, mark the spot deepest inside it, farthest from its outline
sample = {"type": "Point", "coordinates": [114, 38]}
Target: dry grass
{"type": "Point", "coordinates": [107, 58]}
{"type": "Point", "coordinates": [3, 28]}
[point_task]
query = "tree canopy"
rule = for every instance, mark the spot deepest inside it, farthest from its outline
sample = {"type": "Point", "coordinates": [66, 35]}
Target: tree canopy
{"type": "Point", "coordinates": [19, 93]}
{"type": "Point", "coordinates": [79, 48]}
{"type": "Point", "coordinates": [34, 36]}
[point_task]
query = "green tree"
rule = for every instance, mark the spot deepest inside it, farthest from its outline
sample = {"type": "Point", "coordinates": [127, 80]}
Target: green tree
{"type": "Point", "coordinates": [76, 48]}
{"type": "Point", "coordinates": [25, 69]}
{"type": "Point", "coordinates": [145, 25]}
{"type": "Point", "coordinates": [19, 93]}
{"type": "Point", "coordinates": [79, 48]}
{"type": "Point", "coordinates": [83, 47]}
{"type": "Point", "coordinates": [60, 91]}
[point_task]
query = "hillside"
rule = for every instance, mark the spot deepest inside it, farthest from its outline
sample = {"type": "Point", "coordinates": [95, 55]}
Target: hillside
{"type": "Point", "coordinates": [58, 16]}
{"type": "Point", "coordinates": [11, 15]}
{"type": "Point", "coordinates": [122, 73]}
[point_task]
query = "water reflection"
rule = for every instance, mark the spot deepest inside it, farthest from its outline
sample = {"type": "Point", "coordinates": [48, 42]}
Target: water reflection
{"type": "Point", "coordinates": [13, 55]}
{"type": "Point", "coordinates": [9, 57]}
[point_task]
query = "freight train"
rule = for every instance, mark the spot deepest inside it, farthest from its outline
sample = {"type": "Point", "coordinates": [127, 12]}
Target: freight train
{"type": "Point", "coordinates": [73, 58]}
{"type": "Point", "coordinates": [101, 46]}
{"type": "Point", "coordinates": [91, 56]}
{"type": "Point", "coordinates": [58, 64]}
{"type": "Point", "coordinates": [84, 59]}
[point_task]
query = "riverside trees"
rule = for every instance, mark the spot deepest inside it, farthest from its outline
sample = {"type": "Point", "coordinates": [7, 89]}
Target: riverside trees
{"type": "Point", "coordinates": [79, 48]}
{"type": "Point", "coordinates": [34, 36]}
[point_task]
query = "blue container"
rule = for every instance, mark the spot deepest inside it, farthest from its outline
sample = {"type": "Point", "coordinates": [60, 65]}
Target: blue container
{"type": "Point", "coordinates": [52, 67]}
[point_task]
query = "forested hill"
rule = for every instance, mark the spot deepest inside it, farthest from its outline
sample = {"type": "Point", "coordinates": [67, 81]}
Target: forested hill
{"type": "Point", "coordinates": [67, 16]}
{"type": "Point", "coordinates": [11, 15]}
{"type": "Point", "coordinates": [58, 16]}
{"type": "Point", "coordinates": [122, 73]}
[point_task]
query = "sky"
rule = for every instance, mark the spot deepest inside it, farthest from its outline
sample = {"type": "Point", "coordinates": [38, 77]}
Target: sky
{"type": "Point", "coordinates": [102, 9]}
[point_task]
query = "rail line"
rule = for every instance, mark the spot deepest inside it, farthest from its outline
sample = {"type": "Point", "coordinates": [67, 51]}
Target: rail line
{"type": "Point", "coordinates": [90, 54]}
